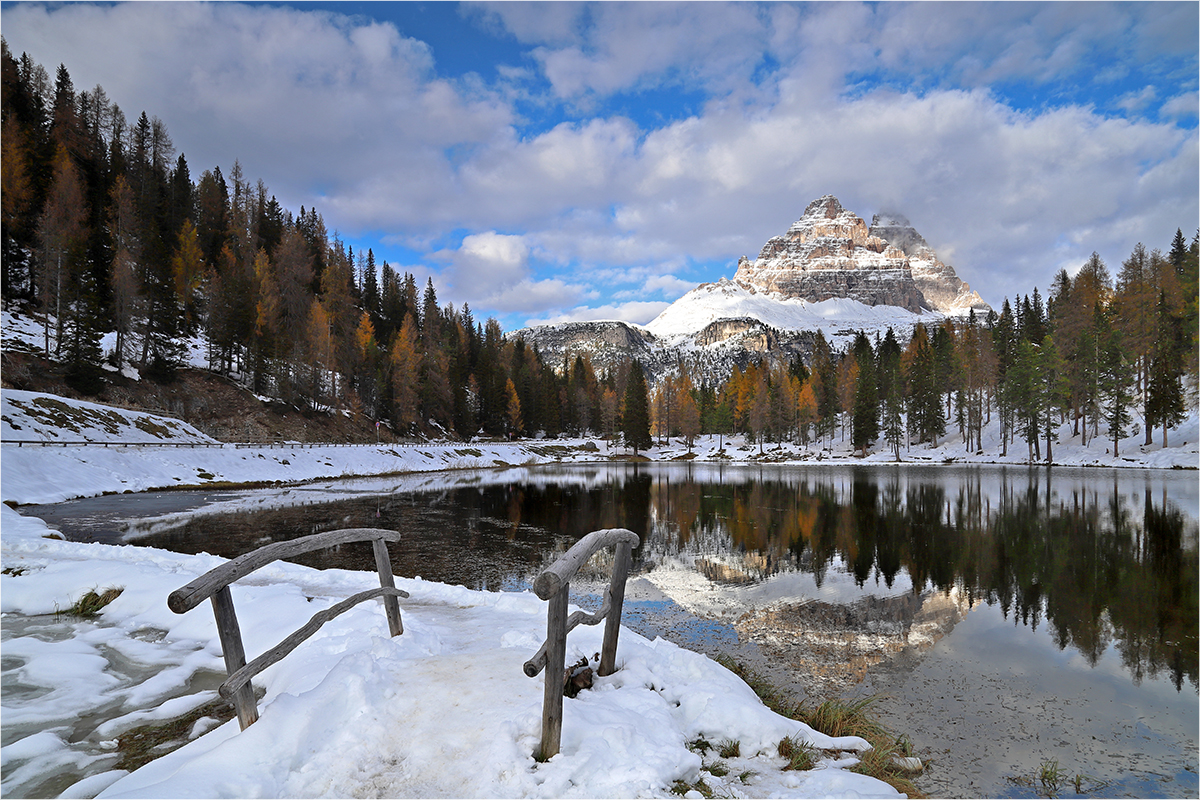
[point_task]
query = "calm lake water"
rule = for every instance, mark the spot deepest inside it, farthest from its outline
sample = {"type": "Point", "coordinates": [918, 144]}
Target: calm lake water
{"type": "Point", "coordinates": [1007, 617]}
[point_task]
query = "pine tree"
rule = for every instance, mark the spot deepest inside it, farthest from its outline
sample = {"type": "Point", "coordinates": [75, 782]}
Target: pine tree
{"type": "Point", "coordinates": [825, 387]}
{"type": "Point", "coordinates": [62, 231]}
{"type": "Point", "coordinates": [125, 292]}
{"type": "Point", "coordinates": [891, 394]}
{"type": "Point", "coordinates": [689, 418]}
{"type": "Point", "coordinates": [865, 427]}
{"type": "Point", "coordinates": [1055, 391]}
{"type": "Point", "coordinates": [806, 411]}
{"type": "Point", "coordinates": [188, 270]}
{"type": "Point", "coordinates": [635, 415]}
{"type": "Point", "coordinates": [1164, 401]}
{"type": "Point", "coordinates": [1026, 390]}
{"type": "Point", "coordinates": [267, 318]}
{"type": "Point", "coordinates": [1114, 387]}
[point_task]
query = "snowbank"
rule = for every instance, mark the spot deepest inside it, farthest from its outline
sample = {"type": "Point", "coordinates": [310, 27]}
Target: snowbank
{"type": "Point", "coordinates": [443, 710]}
{"type": "Point", "coordinates": [156, 452]}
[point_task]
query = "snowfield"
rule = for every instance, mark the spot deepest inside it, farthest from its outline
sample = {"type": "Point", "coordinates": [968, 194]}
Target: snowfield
{"type": "Point", "coordinates": [838, 319]}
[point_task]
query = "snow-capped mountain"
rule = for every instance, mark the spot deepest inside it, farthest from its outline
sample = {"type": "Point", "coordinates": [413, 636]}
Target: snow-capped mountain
{"type": "Point", "coordinates": [830, 252]}
{"type": "Point", "coordinates": [829, 272]}
{"type": "Point", "coordinates": [941, 287]}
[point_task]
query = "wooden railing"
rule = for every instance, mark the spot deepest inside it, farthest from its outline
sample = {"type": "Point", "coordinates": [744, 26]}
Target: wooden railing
{"type": "Point", "coordinates": [215, 584]}
{"type": "Point", "coordinates": [553, 584]}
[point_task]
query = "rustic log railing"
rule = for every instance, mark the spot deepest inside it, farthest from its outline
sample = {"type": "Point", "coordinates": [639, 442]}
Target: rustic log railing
{"type": "Point", "coordinates": [553, 584]}
{"type": "Point", "coordinates": [214, 584]}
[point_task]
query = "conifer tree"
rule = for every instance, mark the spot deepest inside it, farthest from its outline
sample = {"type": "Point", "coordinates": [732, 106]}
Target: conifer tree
{"type": "Point", "coordinates": [1164, 400]}
{"type": "Point", "coordinates": [865, 426]}
{"type": "Point", "coordinates": [62, 232]}
{"type": "Point", "coordinates": [1026, 390]}
{"type": "Point", "coordinates": [1114, 385]}
{"type": "Point", "coordinates": [635, 415]}
{"type": "Point", "coordinates": [405, 365]}
{"type": "Point", "coordinates": [188, 270]}
{"type": "Point", "coordinates": [806, 411]}
{"type": "Point", "coordinates": [891, 392]}
{"type": "Point", "coordinates": [610, 408]}
{"type": "Point", "coordinates": [512, 414]}
{"type": "Point", "coordinates": [689, 417]}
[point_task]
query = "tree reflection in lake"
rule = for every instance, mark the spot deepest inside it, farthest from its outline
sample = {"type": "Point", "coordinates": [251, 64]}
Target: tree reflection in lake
{"type": "Point", "coordinates": [1098, 558]}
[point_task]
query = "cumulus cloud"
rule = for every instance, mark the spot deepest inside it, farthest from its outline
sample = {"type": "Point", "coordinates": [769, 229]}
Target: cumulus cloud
{"type": "Point", "coordinates": [554, 209]}
{"type": "Point", "coordinates": [639, 312]}
{"type": "Point", "coordinates": [326, 108]}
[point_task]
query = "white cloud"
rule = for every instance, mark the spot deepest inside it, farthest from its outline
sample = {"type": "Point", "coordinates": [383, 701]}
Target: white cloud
{"type": "Point", "coordinates": [486, 264]}
{"type": "Point", "coordinates": [330, 111]}
{"type": "Point", "coordinates": [605, 48]}
{"type": "Point", "coordinates": [534, 295]}
{"type": "Point", "coordinates": [350, 116]}
{"type": "Point", "coordinates": [1137, 101]}
{"type": "Point", "coordinates": [668, 285]}
{"type": "Point", "coordinates": [636, 312]}
{"type": "Point", "coordinates": [1184, 106]}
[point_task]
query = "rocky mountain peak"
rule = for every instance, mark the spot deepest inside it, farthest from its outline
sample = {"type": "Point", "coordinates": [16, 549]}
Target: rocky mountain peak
{"type": "Point", "coordinates": [830, 253]}
{"type": "Point", "coordinates": [941, 287]}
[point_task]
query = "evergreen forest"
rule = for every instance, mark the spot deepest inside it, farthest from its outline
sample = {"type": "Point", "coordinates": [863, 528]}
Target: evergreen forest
{"type": "Point", "coordinates": [105, 230]}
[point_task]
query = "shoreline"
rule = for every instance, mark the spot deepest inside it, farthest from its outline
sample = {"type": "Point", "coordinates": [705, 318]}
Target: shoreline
{"type": "Point", "coordinates": [216, 471]}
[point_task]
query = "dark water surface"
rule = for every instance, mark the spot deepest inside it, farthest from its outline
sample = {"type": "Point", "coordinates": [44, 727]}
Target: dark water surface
{"type": "Point", "coordinates": [1009, 617]}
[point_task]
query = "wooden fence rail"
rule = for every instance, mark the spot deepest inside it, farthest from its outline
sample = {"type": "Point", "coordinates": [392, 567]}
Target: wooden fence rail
{"type": "Point", "coordinates": [553, 584]}
{"type": "Point", "coordinates": [215, 583]}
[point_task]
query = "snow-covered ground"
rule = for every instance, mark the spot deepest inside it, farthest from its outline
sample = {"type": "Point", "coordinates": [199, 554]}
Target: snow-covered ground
{"type": "Point", "coordinates": [443, 710]}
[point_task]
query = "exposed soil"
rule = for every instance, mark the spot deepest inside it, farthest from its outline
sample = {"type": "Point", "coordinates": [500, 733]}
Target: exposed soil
{"type": "Point", "coordinates": [213, 404]}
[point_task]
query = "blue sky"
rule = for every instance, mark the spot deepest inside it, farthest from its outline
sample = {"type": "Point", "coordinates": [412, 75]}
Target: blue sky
{"type": "Point", "coordinates": [553, 161]}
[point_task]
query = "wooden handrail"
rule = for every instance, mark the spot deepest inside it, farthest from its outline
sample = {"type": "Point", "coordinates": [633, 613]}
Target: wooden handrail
{"type": "Point", "coordinates": [193, 594]}
{"type": "Point", "coordinates": [215, 584]}
{"type": "Point", "coordinates": [553, 584]}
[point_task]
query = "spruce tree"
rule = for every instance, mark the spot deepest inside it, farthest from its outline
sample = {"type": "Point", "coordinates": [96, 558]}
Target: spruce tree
{"type": "Point", "coordinates": [1114, 386]}
{"type": "Point", "coordinates": [635, 417]}
{"type": "Point", "coordinates": [865, 421]}
{"type": "Point", "coordinates": [1164, 401]}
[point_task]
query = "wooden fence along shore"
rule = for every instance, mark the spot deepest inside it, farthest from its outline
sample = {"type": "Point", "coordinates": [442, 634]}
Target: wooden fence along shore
{"type": "Point", "coordinates": [215, 584]}
{"type": "Point", "coordinates": [553, 585]}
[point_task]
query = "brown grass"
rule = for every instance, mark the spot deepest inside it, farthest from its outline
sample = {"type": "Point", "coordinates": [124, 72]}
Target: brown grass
{"type": "Point", "coordinates": [836, 718]}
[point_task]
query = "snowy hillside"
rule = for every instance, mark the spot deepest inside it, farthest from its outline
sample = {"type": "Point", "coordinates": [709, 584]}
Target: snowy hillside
{"type": "Point", "coordinates": [837, 319]}
{"type": "Point", "coordinates": [35, 417]}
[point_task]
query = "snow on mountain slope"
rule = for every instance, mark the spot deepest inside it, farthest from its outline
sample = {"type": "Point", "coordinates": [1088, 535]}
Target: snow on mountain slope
{"type": "Point", "coordinates": [837, 319]}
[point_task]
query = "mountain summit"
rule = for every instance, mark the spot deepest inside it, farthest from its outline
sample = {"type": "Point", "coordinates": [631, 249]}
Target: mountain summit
{"type": "Point", "coordinates": [829, 272]}
{"type": "Point", "coordinates": [830, 253]}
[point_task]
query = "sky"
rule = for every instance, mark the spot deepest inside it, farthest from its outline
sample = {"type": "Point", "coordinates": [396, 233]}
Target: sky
{"type": "Point", "coordinates": [545, 162]}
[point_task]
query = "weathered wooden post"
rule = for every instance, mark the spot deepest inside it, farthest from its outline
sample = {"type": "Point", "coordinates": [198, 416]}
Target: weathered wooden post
{"type": "Point", "coordinates": [391, 606]}
{"type": "Point", "coordinates": [553, 585]}
{"type": "Point", "coordinates": [235, 655]}
{"type": "Point", "coordinates": [622, 560]}
{"type": "Point", "coordinates": [556, 662]}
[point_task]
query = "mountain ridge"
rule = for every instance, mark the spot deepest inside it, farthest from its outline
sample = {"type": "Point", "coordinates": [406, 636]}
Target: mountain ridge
{"type": "Point", "coordinates": [829, 272]}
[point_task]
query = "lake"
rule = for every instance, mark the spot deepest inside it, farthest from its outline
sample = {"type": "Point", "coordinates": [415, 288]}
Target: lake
{"type": "Point", "coordinates": [1007, 617]}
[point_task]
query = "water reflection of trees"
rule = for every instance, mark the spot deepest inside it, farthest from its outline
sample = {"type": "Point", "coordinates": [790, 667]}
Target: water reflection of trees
{"type": "Point", "coordinates": [1085, 563]}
